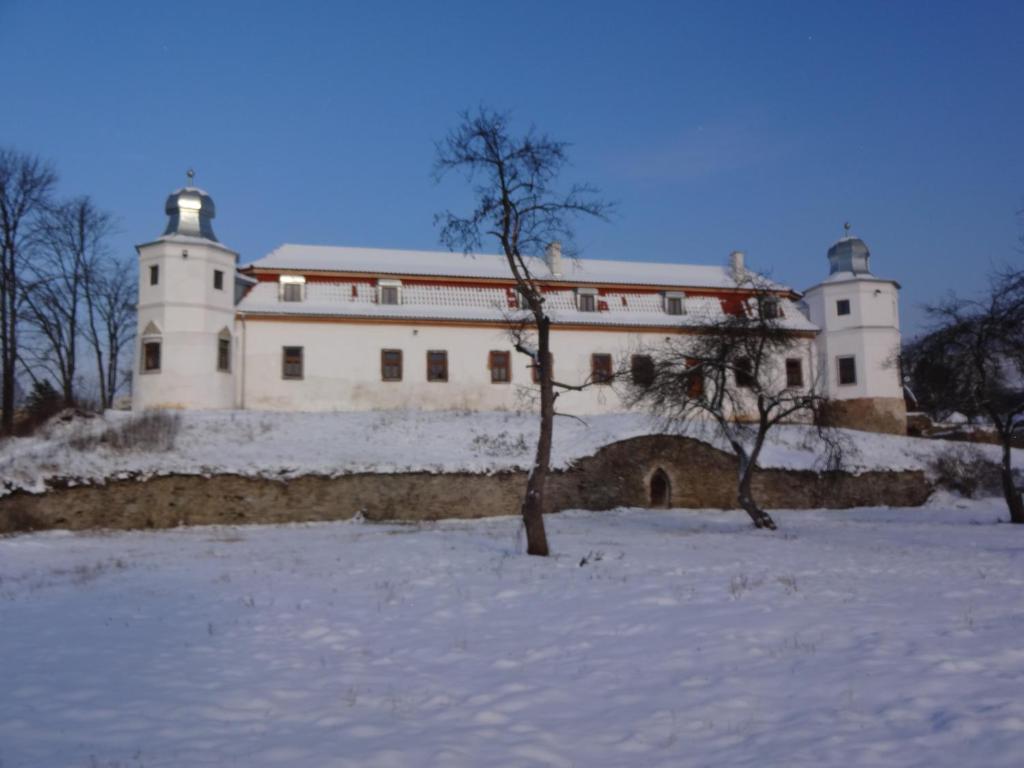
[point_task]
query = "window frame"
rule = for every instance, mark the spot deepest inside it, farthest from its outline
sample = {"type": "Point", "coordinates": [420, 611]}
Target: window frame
{"type": "Point", "coordinates": [146, 345]}
{"type": "Point", "coordinates": [218, 280]}
{"type": "Point", "coordinates": [599, 372]}
{"type": "Point", "coordinates": [635, 363]}
{"type": "Point", "coordinates": [443, 378]}
{"type": "Point", "coordinates": [743, 372]}
{"type": "Point", "coordinates": [154, 274]}
{"type": "Point", "coordinates": [839, 370]}
{"type": "Point", "coordinates": [794, 364]}
{"type": "Point", "coordinates": [285, 375]}
{"type": "Point", "coordinates": [289, 285]}
{"type": "Point", "coordinates": [223, 355]}
{"type": "Point", "coordinates": [842, 304]}
{"type": "Point", "coordinates": [506, 356]}
{"type": "Point", "coordinates": [385, 365]}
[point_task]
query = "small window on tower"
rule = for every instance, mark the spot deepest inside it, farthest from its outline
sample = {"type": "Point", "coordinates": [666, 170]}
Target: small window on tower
{"type": "Point", "coordinates": [218, 280]}
{"type": "Point", "coordinates": [150, 356]}
{"type": "Point", "coordinates": [224, 354]}
{"type": "Point", "coordinates": [154, 274]}
{"type": "Point", "coordinates": [847, 369]}
{"type": "Point", "coordinates": [843, 307]}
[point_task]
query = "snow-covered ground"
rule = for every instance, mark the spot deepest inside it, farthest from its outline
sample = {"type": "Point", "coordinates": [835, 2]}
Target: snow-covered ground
{"type": "Point", "coordinates": [885, 637]}
{"type": "Point", "coordinates": [289, 444]}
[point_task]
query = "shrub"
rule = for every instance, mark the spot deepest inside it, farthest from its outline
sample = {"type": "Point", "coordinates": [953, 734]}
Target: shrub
{"type": "Point", "coordinates": [149, 431]}
{"type": "Point", "coordinates": [966, 470]}
{"type": "Point", "coordinates": [43, 402]}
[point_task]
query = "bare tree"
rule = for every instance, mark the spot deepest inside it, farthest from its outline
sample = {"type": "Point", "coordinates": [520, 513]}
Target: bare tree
{"type": "Point", "coordinates": [517, 205]}
{"type": "Point", "coordinates": [26, 184]}
{"type": "Point", "coordinates": [111, 295]}
{"type": "Point", "coordinates": [972, 361]}
{"type": "Point", "coordinates": [742, 371]}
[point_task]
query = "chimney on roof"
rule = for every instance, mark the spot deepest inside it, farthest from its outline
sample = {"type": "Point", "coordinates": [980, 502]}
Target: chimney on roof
{"type": "Point", "coordinates": [736, 265]}
{"type": "Point", "coordinates": [553, 258]}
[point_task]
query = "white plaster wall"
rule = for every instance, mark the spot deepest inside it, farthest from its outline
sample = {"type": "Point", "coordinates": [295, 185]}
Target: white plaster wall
{"type": "Point", "coordinates": [342, 367]}
{"type": "Point", "coordinates": [190, 313]}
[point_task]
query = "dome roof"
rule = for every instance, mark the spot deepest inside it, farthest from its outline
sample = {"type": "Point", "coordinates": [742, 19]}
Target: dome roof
{"type": "Point", "coordinates": [190, 212]}
{"type": "Point", "coordinates": [849, 254]}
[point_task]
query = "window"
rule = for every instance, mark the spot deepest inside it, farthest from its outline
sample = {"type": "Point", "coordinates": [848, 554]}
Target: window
{"type": "Point", "coordinates": [150, 356]}
{"type": "Point", "coordinates": [674, 305]}
{"type": "Point", "coordinates": [501, 367]}
{"type": "Point", "coordinates": [642, 369]}
{"type": "Point", "coordinates": [601, 368]}
{"type": "Point", "coordinates": [291, 362]}
{"type": "Point", "coordinates": [843, 307]}
{"type": "Point", "coordinates": [794, 372]}
{"type": "Point", "coordinates": [744, 372]}
{"type": "Point", "coordinates": [218, 280]}
{"type": "Point", "coordinates": [847, 369]}
{"type": "Point", "coordinates": [224, 355]}
{"type": "Point", "coordinates": [154, 274]}
{"type": "Point", "coordinates": [292, 287]}
{"type": "Point", "coordinates": [585, 302]}
{"type": "Point", "coordinates": [437, 365]}
{"type": "Point", "coordinates": [391, 365]}
{"type": "Point", "coordinates": [694, 379]}
{"type": "Point", "coordinates": [770, 309]}
{"type": "Point", "coordinates": [389, 294]}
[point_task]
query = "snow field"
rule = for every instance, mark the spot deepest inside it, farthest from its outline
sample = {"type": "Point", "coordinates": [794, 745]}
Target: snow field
{"type": "Point", "coordinates": [881, 637]}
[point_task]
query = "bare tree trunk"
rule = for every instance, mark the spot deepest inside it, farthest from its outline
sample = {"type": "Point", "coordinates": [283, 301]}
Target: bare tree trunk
{"type": "Point", "coordinates": [533, 502]}
{"type": "Point", "coordinates": [1010, 492]}
{"type": "Point", "coordinates": [746, 494]}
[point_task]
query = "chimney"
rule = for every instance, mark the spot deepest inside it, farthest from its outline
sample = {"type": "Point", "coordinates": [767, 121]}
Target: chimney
{"type": "Point", "coordinates": [553, 258]}
{"type": "Point", "coordinates": [736, 265]}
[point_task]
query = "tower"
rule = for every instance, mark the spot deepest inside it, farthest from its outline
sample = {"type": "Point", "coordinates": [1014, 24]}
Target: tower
{"type": "Point", "coordinates": [859, 343]}
{"type": "Point", "coordinates": [185, 350]}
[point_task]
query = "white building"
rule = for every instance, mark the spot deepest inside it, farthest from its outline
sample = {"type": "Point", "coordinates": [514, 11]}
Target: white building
{"type": "Point", "coordinates": [328, 328]}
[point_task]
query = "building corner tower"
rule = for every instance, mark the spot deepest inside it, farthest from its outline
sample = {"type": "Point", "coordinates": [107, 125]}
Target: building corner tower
{"type": "Point", "coordinates": [185, 347]}
{"type": "Point", "coordinates": [859, 343]}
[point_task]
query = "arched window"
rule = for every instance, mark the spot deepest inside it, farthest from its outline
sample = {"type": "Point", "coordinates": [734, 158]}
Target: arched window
{"type": "Point", "coordinates": [151, 348]}
{"type": "Point", "coordinates": [224, 351]}
{"type": "Point", "coordinates": [661, 490]}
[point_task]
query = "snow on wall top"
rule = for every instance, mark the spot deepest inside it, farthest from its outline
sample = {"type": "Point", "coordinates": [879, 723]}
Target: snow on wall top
{"type": "Point", "coordinates": [384, 261]}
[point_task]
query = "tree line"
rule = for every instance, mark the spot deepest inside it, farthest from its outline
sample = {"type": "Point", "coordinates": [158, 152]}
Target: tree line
{"type": "Point", "coordinates": [67, 302]}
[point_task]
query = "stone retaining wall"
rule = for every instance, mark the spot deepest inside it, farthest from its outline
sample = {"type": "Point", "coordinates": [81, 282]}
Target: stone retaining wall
{"type": "Point", "coordinates": [692, 474]}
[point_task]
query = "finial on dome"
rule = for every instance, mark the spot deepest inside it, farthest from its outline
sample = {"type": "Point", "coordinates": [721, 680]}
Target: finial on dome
{"type": "Point", "coordinates": [846, 229]}
{"type": "Point", "coordinates": [191, 176]}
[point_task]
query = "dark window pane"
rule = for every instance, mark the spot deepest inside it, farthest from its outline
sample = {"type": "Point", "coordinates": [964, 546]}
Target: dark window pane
{"type": "Point", "coordinates": [500, 364]}
{"type": "Point", "coordinates": [389, 294]}
{"type": "Point", "coordinates": [391, 364]}
{"type": "Point", "coordinates": [642, 369]}
{"type": "Point", "coordinates": [847, 370]}
{"type": "Point", "coordinates": [674, 305]}
{"type": "Point", "coordinates": [744, 372]}
{"type": "Point", "coordinates": [223, 354]}
{"type": "Point", "coordinates": [292, 292]}
{"type": "Point", "coordinates": [218, 280]}
{"type": "Point", "coordinates": [154, 274]}
{"type": "Point", "coordinates": [151, 356]}
{"type": "Point", "coordinates": [586, 302]}
{"type": "Point", "coordinates": [843, 307]}
{"type": "Point", "coordinates": [601, 368]}
{"type": "Point", "coordinates": [291, 363]}
{"type": "Point", "coordinates": [794, 373]}
{"type": "Point", "coordinates": [694, 379]}
{"type": "Point", "coordinates": [437, 365]}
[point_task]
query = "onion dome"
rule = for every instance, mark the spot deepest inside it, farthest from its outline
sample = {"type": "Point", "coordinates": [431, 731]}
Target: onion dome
{"type": "Point", "coordinates": [190, 212]}
{"type": "Point", "coordinates": [849, 254]}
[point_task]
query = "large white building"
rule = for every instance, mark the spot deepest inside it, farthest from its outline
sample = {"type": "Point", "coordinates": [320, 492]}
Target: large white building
{"type": "Point", "coordinates": [328, 328]}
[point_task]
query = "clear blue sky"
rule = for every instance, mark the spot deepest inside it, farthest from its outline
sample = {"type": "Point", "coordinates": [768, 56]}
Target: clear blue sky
{"type": "Point", "coordinates": [715, 126]}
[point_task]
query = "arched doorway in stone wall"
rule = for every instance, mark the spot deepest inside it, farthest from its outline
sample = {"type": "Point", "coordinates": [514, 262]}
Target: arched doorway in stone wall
{"type": "Point", "coordinates": [660, 490]}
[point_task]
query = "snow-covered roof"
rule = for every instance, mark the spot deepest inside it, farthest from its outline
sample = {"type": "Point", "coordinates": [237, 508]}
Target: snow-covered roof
{"type": "Point", "coordinates": [467, 303]}
{"type": "Point", "coordinates": [382, 261]}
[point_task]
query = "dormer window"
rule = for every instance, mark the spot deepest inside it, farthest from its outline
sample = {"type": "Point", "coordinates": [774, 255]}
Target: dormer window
{"type": "Point", "coordinates": [586, 299]}
{"type": "Point", "coordinates": [292, 288]}
{"type": "Point", "coordinates": [770, 308]}
{"type": "Point", "coordinates": [674, 303]}
{"type": "Point", "coordinates": [389, 292]}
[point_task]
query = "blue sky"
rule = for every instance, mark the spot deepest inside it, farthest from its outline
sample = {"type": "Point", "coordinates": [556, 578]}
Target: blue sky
{"type": "Point", "coordinates": [714, 126]}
